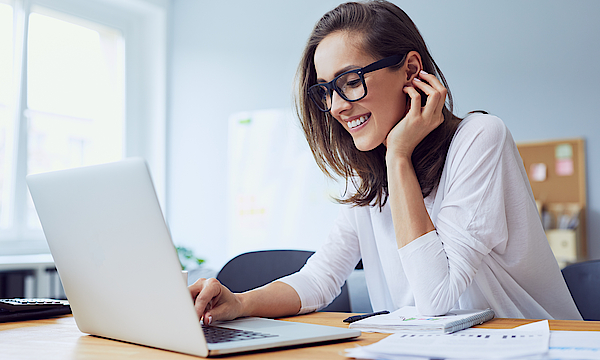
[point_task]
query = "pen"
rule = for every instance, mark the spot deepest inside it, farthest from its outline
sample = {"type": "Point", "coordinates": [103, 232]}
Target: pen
{"type": "Point", "coordinates": [354, 318]}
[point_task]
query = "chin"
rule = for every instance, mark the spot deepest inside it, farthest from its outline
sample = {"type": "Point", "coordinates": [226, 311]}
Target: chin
{"type": "Point", "coordinates": [366, 146]}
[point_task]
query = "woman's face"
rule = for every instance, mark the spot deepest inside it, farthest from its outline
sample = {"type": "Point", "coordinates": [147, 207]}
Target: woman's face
{"type": "Point", "coordinates": [370, 119]}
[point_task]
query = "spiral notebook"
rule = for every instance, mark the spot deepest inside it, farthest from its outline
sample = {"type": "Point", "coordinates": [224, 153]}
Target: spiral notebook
{"type": "Point", "coordinates": [408, 319]}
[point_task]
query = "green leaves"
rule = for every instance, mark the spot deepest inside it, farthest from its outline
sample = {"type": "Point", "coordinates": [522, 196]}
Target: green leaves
{"type": "Point", "coordinates": [187, 257]}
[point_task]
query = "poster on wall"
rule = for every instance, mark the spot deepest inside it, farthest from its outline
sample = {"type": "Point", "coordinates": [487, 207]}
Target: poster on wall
{"type": "Point", "coordinates": [277, 196]}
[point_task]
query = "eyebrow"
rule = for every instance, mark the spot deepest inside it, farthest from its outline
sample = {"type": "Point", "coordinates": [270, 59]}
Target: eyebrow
{"type": "Point", "coordinates": [340, 71]}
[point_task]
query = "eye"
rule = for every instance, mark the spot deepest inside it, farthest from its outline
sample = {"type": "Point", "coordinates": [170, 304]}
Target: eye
{"type": "Point", "coordinates": [353, 83]}
{"type": "Point", "coordinates": [350, 80]}
{"type": "Point", "coordinates": [321, 92]}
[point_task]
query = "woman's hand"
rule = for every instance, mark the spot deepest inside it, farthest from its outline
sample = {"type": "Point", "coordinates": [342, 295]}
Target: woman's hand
{"type": "Point", "coordinates": [419, 121]}
{"type": "Point", "coordinates": [213, 301]}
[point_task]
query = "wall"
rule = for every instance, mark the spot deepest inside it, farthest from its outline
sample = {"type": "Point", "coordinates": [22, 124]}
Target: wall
{"type": "Point", "coordinates": [532, 63]}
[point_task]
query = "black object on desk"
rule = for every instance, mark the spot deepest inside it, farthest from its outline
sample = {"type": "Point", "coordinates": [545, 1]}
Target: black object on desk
{"type": "Point", "coordinates": [354, 318]}
{"type": "Point", "coordinates": [32, 309]}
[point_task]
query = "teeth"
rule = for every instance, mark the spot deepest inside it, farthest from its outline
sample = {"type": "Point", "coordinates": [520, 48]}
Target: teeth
{"type": "Point", "coordinates": [354, 123]}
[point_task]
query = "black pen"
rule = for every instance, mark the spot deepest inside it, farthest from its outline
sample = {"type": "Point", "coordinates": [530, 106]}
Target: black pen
{"type": "Point", "coordinates": [354, 318]}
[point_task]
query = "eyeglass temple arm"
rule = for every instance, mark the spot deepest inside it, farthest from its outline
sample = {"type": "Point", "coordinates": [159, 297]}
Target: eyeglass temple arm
{"type": "Point", "coordinates": [383, 63]}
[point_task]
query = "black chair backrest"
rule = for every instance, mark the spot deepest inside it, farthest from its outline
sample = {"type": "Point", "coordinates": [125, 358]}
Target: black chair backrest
{"type": "Point", "coordinates": [583, 280]}
{"type": "Point", "coordinates": [257, 268]}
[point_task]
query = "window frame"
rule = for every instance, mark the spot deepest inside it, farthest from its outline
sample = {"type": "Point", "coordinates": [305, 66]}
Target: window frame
{"type": "Point", "coordinates": [143, 24]}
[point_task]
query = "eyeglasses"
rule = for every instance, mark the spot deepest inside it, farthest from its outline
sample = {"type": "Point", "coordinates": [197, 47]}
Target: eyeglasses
{"type": "Point", "coordinates": [350, 85]}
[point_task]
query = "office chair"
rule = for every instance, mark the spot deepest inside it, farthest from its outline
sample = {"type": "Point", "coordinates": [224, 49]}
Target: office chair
{"type": "Point", "coordinates": [257, 268]}
{"type": "Point", "coordinates": [583, 281]}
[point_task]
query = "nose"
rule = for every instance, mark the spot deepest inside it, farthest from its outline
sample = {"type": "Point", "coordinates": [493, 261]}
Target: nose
{"type": "Point", "coordinates": [338, 104]}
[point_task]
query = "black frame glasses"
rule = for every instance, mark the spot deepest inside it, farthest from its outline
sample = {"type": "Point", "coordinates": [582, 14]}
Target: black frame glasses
{"type": "Point", "coordinates": [321, 94]}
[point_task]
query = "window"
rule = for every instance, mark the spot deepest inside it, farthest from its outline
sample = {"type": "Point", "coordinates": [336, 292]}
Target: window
{"type": "Point", "coordinates": [6, 99]}
{"type": "Point", "coordinates": [74, 95]}
{"type": "Point", "coordinates": [71, 94]}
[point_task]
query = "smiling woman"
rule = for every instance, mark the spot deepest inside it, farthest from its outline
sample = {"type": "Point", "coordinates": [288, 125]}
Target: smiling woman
{"type": "Point", "coordinates": [426, 207]}
{"type": "Point", "coordinates": [337, 45]}
{"type": "Point", "coordinates": [438, 208]}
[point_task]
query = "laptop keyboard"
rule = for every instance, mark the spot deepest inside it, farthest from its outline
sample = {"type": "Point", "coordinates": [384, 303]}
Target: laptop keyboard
{"type": "Point", "coordinates": [217, 334]}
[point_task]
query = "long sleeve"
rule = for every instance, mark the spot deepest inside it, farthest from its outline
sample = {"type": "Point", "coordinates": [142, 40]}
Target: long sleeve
{"type": "Point", "coordinates": [319, 282]}
{"type": "Point", "coordinates": [488, 250]}
{"type": "Point", "coordinates": [483, 191]}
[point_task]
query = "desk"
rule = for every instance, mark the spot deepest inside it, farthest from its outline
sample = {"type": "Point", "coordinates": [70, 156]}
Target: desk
{"type": "Point", "coordinates": [59, 338]}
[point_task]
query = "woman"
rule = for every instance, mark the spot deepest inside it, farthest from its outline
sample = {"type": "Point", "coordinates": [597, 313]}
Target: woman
{"type": "Point", "coordinates": [441, 211]}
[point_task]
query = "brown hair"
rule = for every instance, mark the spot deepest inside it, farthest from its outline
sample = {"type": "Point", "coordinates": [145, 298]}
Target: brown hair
{"type": "Point", "coordinates": [385, 30]}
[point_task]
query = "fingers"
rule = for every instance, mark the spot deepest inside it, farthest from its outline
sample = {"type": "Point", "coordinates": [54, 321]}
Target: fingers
{"type": "Point", "coordinates": [419, 120]}
{"type": "Point", "coordinates": [432, 84]}
{"type": "Point", "coordinates": [415, 100]}
{"type": "Point", "coordinates": [206, 293]}
{"type": "Point", "coordinates": [435, 91]}
{"type": "Point", "coordinates": [213, 301]}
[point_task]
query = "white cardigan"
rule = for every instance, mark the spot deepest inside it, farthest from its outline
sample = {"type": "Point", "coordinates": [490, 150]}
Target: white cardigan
{"type": "Point", "coordinates": [489, 248]}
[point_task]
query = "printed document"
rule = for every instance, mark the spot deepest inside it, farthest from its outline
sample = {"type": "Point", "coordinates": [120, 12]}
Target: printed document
{"type": "Point", "coordinates": [473, 343]}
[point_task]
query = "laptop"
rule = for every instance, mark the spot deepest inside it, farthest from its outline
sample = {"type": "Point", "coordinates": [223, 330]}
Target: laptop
{"type": "Point", "coordinates": [120, 270]}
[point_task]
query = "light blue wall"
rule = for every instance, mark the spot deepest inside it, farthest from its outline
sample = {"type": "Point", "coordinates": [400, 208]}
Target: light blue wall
{"type": "Point", "coordinates": [533, 63]}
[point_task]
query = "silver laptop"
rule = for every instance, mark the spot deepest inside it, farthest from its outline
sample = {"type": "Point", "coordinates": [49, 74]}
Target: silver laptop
{"type": "Point", "coordinates": [120, 270]}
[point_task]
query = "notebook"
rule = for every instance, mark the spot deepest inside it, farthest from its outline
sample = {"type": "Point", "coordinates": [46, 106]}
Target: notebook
{"type": "Point", "coordinates": [408, 319]}
{"type": "Point", "coordinates": [120, 270]}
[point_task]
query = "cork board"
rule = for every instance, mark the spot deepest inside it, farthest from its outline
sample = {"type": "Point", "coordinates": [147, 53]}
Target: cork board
{"type": "Point", "coordinates": [565, 170]}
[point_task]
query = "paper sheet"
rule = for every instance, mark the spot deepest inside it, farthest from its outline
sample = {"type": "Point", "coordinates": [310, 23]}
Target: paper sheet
{"type": "Point", "coordinates": [581, 345]}
{"type": "Point", "coordinates": [466, 344]}
{"type": "Point", "coordinates": [567, 345]}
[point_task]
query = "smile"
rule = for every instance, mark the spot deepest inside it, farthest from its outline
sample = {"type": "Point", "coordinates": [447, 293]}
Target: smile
{"type": "Point", "coordinates": [357, 122]}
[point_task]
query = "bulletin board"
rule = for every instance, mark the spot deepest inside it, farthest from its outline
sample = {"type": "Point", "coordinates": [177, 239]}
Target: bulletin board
{"type": "Point", "coordinates": [556, 171]}
{"type": "Point", "coordinates": [565, 170]}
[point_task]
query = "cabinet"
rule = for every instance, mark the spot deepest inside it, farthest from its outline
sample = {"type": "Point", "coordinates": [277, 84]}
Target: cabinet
{"type": "Point", "coordinates": [29, 276]}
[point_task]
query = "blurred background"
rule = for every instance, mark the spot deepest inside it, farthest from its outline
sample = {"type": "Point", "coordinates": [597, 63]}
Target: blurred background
{"type": "Point", "coordinates": [204, 91]}
{"type": "Point", "coordinates": [532, 63]}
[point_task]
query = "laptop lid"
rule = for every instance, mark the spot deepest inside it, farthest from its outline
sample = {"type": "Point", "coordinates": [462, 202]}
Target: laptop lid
{"type": "Point", "coordinates": [112, 250]}
{"type": "Point", "coordinates": [120, 270]}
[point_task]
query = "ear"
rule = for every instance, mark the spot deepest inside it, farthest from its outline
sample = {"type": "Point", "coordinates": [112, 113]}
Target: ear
{"type": "Point", "coordinates": [412, 66]}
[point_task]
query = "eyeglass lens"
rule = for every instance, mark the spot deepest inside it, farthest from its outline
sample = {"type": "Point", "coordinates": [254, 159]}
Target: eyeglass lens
{"type": "Point", "coordinates": [350, 87]}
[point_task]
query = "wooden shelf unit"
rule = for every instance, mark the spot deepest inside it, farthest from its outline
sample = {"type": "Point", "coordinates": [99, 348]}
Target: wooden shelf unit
{"type": "Point", "coordinates": [564, 187]}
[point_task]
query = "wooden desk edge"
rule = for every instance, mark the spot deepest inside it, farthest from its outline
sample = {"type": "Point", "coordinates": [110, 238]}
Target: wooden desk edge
{"type": "Point", "coordinates": [566, 325]}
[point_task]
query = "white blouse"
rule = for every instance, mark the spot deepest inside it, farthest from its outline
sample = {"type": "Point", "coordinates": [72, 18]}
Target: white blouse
{"type": "Point", "coordinates": [488, 250]}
